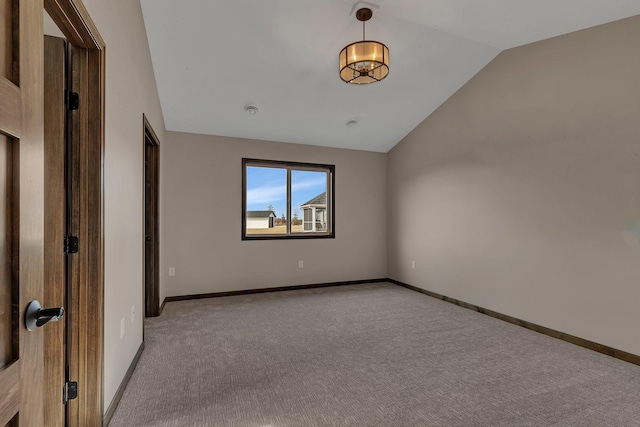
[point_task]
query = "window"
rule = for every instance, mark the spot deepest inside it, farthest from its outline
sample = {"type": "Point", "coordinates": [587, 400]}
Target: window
{"type": "Point", "coordinates": [283, 200]}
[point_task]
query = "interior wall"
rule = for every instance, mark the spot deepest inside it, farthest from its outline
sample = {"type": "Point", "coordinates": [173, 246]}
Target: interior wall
{"type": "Point", "coordinates": [130, 92]}
{"type": "Point", "coordinates": [521, 193]}
{"type": "Point", "coordinates": [201, 185]}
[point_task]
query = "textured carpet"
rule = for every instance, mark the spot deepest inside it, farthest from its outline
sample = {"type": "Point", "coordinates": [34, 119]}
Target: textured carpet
{"type": "Point", "coordinates": [365, 355]}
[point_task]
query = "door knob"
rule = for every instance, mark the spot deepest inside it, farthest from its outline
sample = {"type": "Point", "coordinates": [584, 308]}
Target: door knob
{"type": "Point", "coordinates": [36, 316]}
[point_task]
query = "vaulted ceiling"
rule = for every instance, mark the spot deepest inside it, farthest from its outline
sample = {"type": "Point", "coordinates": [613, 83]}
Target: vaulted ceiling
{"type": "Point", "coordinates": [212, 58]}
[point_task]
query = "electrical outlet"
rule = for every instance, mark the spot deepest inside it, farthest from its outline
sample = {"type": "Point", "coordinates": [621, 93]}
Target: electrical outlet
{"type": "Point", "coordinates": [300, 264]}
{"type": "Point", "coordinates": [133, 314]}
{"type": "Point", "coordinates": [122, 328]}
{"type": "Point", "coordinates": [413, 264]}
{"type": "Point", "coordinates": [172, 271]}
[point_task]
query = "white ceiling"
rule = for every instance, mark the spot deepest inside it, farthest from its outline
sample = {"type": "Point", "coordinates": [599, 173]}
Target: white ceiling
{"type": "Point", "coordinates": [213, 57]}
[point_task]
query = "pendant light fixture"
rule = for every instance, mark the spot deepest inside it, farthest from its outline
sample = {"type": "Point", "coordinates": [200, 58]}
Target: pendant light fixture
{"type": "Point", "coordinates": [366, 61]}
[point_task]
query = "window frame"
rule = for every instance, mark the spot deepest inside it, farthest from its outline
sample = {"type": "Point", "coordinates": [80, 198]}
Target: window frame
{"type": "Point", "coordinates": [289, 166]}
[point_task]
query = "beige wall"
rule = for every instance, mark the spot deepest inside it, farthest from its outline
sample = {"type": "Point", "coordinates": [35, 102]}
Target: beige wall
{"type": "Point", "coordinates": [130, 92]}
{"type": "Point", "coordinates": [201, 180]}
{"type": "Point", "coordinates": [521, 194]}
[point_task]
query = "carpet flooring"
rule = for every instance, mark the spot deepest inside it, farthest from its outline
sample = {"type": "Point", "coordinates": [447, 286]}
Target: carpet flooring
{"type": "Point", "coordinates": [365, 355]}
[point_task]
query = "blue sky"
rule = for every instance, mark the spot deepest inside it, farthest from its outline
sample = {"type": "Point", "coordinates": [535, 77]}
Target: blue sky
{"type": "Point", "coordinates": [268, 186]}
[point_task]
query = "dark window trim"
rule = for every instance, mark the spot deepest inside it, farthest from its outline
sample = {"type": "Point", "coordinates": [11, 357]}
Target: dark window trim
{"type": "Point", "coordinates": [293, 165]}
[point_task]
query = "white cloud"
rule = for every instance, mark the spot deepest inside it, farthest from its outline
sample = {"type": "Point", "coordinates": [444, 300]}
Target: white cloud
{"type": "Point", "coordinates": [266, 195]}
{"type": "Point", "coordinates": [310, 183]}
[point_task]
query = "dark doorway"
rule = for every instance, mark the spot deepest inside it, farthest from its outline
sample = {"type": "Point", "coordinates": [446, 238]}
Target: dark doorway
{"type": "Point", "coordinates": [152, 242]}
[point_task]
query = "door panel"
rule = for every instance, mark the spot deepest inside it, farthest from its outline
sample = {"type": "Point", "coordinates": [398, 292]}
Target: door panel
{"type": "Point", "coordinates": [21, 209]}
{"type": "Point", "coordinates": [6, 291]}
{"type": "Point", "coordinates": [6, 32]}
{"type": "Point", "coordinates": [10, 374]}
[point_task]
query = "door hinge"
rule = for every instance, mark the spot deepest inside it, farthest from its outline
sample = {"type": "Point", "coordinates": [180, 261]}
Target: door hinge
{"type": "Point", "coordinates": [71, 100]}
{"type": "Point", "coordinates": [71, 244]}
{"type": "Point", "coordinates": [69, 391]}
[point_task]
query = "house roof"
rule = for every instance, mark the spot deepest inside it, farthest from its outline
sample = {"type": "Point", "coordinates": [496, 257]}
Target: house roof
{"type": "Point", "coordinates": [260, 214]}
{"type": "Point", "coordinates": [320, 199]}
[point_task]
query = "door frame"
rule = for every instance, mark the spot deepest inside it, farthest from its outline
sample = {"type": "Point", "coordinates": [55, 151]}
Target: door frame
{"type": "Point", "coordinates": [55, 277]}
{"type": "Point", "coordinates": [86, 320]}
{"type": "Point", "coordinates": [151, 291]}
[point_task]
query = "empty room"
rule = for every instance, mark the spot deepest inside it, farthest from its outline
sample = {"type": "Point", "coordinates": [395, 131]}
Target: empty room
{"type": "Point", "coordinates": [334, 213]}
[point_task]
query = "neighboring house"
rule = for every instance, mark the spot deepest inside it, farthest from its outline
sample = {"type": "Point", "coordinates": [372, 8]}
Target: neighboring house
{"type": "Point", "coordinates": [260, 219]}
{"type": "Point", "coordinates": [314, 213]}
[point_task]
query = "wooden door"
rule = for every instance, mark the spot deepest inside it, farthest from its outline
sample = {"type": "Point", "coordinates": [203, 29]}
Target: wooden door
{"type": "Point", "coordinates": [21, 210]}
{"type": "Point", "coordinates": [152, 246]}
